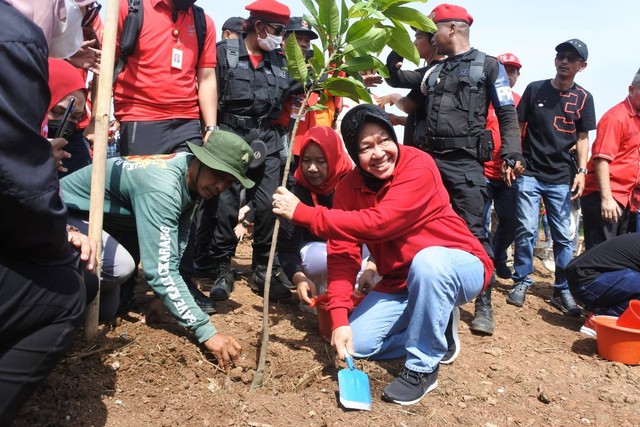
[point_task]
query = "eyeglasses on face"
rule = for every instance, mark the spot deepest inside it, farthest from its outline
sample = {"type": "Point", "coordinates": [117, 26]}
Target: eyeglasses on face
{"type": "Point", "coordinates": [278, 30]}
{"type": "Point", "coordinates": [571, 58]}
{"type": "Point", "coordinates": [91, 13]}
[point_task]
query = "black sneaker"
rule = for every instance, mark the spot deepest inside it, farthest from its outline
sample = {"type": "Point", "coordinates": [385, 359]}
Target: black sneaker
{"type": "Point", "coordinates": [453, 341]}
{"type": "Point", "coordinates": [278, 291]}
{"type": "Point", "coordinates": [517, 295]}
{"type": "Point", "coordinates": [223, 282]}
{"type": "Point", "coordinates": [279, 274]}
{"type": "Point", "coordinates": [503, 271]}
{"type": "Point", "coordinates": [563, 300]}
{"type": "Point", "coordinates": [207, 305]}
{"type": "Point", "coordinates": [410, 387]}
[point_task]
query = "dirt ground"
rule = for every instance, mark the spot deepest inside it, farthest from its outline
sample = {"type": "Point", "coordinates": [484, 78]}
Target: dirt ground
{"type": "Point", "coordinates": [537, 369]}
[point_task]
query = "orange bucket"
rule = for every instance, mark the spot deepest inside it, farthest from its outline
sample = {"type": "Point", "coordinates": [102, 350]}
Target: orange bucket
{"type": "Point", "coordinates": [617, 343]}
{"type": "Point", "coordinates": [630, 318]}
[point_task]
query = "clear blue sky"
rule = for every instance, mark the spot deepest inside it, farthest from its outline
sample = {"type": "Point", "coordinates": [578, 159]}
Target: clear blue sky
{"type": "Point", "coordinates": [531, 30]}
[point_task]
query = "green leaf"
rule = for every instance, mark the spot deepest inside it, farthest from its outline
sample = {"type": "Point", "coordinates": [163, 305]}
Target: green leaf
{"type": "Point", "coordinates": [402, 43]}
{"type": "Point", "coordinates": [373, 41]}
{"type": "Point", "coordinates": [311, 8]}
{"type": "Point", "coordinates": [365, 63]}
{"type": "Point", "coordinates": [317, 107]}
{"type": "Point", "coordinates": [344, 15]}
{"type": "Point", "coordinates": [360, 28]}
{"type": "Point", "coordinates": [317, 60]}
{"type": "Point", "coordinates": [383, 5]}
{"type": "Point", "coordinates": [295, 60]}
{"type": "Point", "coordinates": [347, 87]}
{"type": "Point", "coordinates": [411, 17]}
{"type": "Point", "coordinates": [329, 16]}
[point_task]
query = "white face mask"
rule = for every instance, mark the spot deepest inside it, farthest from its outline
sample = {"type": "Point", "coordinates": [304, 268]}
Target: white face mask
{"type": "Point", "coordinates": [270, 43]}
{"type": "Point", "coordinates": [67, 36]}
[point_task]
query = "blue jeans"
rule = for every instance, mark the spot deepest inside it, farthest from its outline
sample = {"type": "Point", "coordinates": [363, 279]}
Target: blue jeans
{"type": "Point", "coordinates": [610, 292]}
{"type": "Point", "coordinates": [504, 202]}
{"type": "Point", "coordinates": [412, 323]}
{"type": "Point", "coordinates": [557, 200]}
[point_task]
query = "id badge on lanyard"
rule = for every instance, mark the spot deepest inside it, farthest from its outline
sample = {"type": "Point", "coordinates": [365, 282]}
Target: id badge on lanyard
{"type": "Point", "coordinates": [176, 57]}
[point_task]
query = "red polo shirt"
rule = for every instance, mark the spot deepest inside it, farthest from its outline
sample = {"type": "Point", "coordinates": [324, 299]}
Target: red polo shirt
{"type": "Point", "coordinates": [618, 142]}
{"type": "Point", "coordinates": [149, 88]}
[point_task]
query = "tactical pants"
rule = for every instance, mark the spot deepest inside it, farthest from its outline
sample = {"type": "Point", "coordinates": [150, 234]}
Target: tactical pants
{"type": "Point", "coordinates": [463, 177]}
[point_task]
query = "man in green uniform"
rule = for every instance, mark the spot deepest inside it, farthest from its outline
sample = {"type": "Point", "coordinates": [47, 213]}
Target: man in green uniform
{"type": "Point", "coordinates": [156, 195]}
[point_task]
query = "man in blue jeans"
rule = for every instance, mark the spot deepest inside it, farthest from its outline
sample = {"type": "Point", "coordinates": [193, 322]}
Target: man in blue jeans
{"type": "Point", "coordinates": [606, 277]}
{"type": "Point", "coordinates": [557, 114]}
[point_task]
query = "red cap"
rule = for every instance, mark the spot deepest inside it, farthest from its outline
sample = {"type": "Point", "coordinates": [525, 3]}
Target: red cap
{"type": "Point", "coordinates": [269, 10]}
{"type": "Point", "coordinates": [450, 12]}
{"type": "Point", "coordinates": [509, 59]}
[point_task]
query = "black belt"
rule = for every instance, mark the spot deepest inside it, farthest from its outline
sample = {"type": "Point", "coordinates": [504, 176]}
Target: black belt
{"type": "Point", "coordinates": [449, 143]}
{"type": "Point", "coordinates": [243, 122]}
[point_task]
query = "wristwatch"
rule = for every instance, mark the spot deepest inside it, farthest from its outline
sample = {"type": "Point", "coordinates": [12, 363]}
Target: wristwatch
{"type": "Point", "coordinates": [211, 128]}
{"type": "Point", "coordinates": [582, 170]}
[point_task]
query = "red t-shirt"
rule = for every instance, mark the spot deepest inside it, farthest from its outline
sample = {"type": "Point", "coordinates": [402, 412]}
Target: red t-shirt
{"type": "Point", "coordinates": [493, 168]}
{"type": "Point", "coordinates": [149, 87]}
{"type": "Point", "coordinates": [618, 142]}
{"type": "Point", "coordinates": [412, 211]}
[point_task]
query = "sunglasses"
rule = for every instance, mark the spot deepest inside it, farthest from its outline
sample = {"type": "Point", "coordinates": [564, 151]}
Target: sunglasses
{"type": "Point", "coordinates": [278, 30]}
{"type": "Point", "coordinates": [91, 13]}
{"type": "Point", "coordinates": [571, 58]}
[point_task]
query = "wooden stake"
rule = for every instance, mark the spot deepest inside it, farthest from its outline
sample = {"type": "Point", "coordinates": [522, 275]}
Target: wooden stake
{"type": "Point", "coordinates": [101, 117]}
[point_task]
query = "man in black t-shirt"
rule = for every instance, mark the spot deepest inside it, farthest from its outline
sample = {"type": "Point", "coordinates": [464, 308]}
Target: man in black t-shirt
{"type": "Point", "coordinates": [606, 277]}
{"type": "Point", "coordinates": [557, 114]}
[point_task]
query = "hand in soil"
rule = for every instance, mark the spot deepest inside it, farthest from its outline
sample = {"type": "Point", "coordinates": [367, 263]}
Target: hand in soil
{"type": "Point", "coordinates": [225, 348]}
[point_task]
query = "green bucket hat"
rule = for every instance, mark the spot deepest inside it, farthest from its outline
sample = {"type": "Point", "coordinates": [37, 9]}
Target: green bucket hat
{"type": "Point", "coordinates": [226, 152]}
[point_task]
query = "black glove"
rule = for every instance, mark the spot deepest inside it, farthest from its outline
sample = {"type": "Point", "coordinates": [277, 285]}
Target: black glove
{"type": "Point", "coordinates": [392, 61]}
{"type": "Point", "coordinates": [511, 159]}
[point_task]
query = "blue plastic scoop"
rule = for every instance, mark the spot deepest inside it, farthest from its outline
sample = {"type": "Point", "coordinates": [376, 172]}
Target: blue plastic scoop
{"type": "Point", "coordinates": [354, 387]}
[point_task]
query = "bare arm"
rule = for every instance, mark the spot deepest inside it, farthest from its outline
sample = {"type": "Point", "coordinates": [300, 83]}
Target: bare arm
{"type": "Point", "coordinates": [208, 97]}
{"type": "Point", "coordinates": [582, 150]}
{"type": "Point", "coordinates": [609, 208]}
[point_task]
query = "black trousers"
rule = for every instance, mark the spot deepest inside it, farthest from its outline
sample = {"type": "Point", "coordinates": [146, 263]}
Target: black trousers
{"type": "Point", "coordinates": [463, 177]}
{"type": "Point", "coordinates": [41, 308]}
{"type": "Point", "coordinates": [158, 137]}
{"type": "Point", "coordinates": [596, 230]}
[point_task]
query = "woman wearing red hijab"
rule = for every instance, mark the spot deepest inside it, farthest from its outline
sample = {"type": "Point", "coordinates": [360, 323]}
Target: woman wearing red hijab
{"type": "Point", "coordinates": [303, 255]}
{"type": "Point", "coordinates": [66, 82]}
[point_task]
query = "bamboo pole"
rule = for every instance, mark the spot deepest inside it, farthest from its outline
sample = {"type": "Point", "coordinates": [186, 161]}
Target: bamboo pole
{"type": "Point", "coordinates": [101, 117]}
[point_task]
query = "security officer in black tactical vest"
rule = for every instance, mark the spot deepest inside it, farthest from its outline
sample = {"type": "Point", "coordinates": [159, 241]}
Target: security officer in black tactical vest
{"type": "Point", "coordinates": [252, 86]}
{"type": "Point", "coordinates": [457, 96]}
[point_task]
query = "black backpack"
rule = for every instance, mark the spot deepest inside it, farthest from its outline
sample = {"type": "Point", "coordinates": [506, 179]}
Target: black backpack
{"type": "Point", "coordinates": [133, 24]}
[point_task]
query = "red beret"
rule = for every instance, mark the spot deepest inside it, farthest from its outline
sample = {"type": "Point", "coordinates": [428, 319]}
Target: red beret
{"type": "Point", "coordinates": [450, 12]}
{"type": "Point", "coordinates": [269, 10]}
{"type": "Point", "coordinates": [509, 59]}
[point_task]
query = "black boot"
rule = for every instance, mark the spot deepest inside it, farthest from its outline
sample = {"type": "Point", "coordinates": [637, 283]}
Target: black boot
{"type": "Point", "coordinates": [207, 305]}
{"type": "Point", "coordinates": [278, 289]}
{"type": "Point", "coordinates": [483, 321]}
{"type": "Point", "coordinates": [223, 281]}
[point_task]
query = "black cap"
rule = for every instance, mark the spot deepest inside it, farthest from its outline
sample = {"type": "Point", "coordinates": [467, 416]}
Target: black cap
{"type": "Point", "coordinates": [355, 119]}
{"type": "Point", "coordinates": [234, 24]}
{"type": "Point", "coordinates": [299, 25]}
{"type": "Point", "coordinates": [574, 44]}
